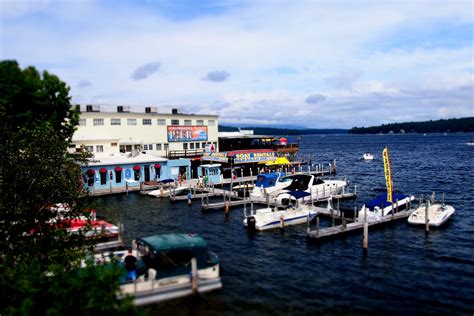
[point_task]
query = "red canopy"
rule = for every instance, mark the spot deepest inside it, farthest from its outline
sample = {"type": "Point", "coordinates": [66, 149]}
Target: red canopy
{"type": "Point", "coordinates": [157, 166]}
{"type": "Point", "coordinates": [103, 170]}
{"type": "Point", "coordinates": [90, 172]}
{"type": "Point", "coordinates": [118, 169]}
{"type": "Point", "coordinates": [136, 168]}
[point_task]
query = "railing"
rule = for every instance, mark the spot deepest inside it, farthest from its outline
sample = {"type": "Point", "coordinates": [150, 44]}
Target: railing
{"type": "Point", "coordinates": [185, 153]}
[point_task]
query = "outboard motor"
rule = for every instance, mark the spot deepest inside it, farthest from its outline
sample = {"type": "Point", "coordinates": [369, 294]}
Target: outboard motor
{"type": "Point", "coordinates": [251, 223]}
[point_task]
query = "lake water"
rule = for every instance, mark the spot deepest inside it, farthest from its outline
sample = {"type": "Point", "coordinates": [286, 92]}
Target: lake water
{"type": "Point", "coordinates": [280, 273]}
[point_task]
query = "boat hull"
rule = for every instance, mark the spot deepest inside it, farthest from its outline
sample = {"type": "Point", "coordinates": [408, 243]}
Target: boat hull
{"type": "Point", "coordinates": [268, 219]}
{"type": "Point", "coordinates": [438, 215]}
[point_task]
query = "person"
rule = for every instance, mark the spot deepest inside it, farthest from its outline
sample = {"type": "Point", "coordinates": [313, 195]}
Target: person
{"type": "Point", "coordinates": [131, 266]}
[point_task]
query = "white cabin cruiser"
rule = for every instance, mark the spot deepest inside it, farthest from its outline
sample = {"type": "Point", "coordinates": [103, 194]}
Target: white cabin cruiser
{"type": "Point", "coordinates": [438, 214]}
{"type": "Point", "coordinates": [269, 184]}
{"type": "Point", "coordinates": [268, 218]}
{"type": "Point", "coordinates": [318, 188]}
{"type": "Point", "coordinates": [368, 156]}
{"type": "Point", "coordinates": [380, 207]}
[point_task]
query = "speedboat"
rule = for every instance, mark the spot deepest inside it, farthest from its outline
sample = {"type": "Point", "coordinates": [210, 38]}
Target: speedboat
{"type": "Point", "coordinates": [438, 214]}
{"type": "Point", "coordinates": [269, 184]}
{"type": "Point", "coordinates": [168, 266]}
{"type": "Point", "coordinates": [379, 207]}
{"type": "Point", "coordinates": [368, 156]}
{"type": "Point", "coordinates": [167, 188]}
{"type": "Point", "coordinates": [272, 217]}
{"type": "Point", "coordinates": [317, 188]}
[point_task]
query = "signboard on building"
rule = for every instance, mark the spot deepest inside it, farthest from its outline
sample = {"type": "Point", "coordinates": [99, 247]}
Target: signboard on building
{"type": "Point", "coordinates": [213, 156]}
{"type": "Point", "coordinates": [254, 157]}
{"type": "Point", "coordinates": [187, 133]}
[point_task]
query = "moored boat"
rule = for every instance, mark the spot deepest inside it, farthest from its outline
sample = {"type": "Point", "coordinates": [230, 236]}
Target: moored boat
{"type": "Point", "coordinates": [171, 266]}
{"type": "Point", "coordinates": [438, 214]}
{"type": "Point", "coordinates": [368, 156]}
{"type": "Point", "coordinates": [167, 187]}
{"type": "Point", "coordinates": [379, 207]}
{"type": "Point", "coordinates": [272, 217]}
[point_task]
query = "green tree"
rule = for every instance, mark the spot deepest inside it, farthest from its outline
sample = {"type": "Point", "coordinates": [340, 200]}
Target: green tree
{"type": "Point", "coordinates": [40, 262]}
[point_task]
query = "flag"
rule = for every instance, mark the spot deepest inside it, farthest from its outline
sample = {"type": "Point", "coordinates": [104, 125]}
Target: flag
{"type": "Point", "coordinates": [388, 174]}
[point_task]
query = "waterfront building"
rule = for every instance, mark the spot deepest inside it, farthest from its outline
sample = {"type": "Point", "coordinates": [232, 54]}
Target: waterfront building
{"type": "Point", "coordinates": [165, 132]}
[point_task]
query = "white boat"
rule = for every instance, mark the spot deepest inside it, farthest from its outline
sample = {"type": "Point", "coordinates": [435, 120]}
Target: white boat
{"type": "Point", "coordinates": [272, 217]}
{"type": "Point", "coordinates": [269, 184]}
{"type": "Point", "coordinates": [167, 187]}
{"type": "Point", "coordinates": [470, 143]}
{"type": "Point", "coordinates": [168, 267]}
{"type": "Point", "coordinates": [318, 188]}
{"type": "Point", "coordinates": [368, 156]}
{"type": "Point", "coordinates": [379, 207]}
{"type": "Point", "coordinates": [438, 214]}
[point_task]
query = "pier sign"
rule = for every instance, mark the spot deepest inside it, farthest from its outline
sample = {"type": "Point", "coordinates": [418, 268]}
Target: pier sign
{"type": "Point", "coordinates": [254, 157]}
{"type": "Point", "coordinates": [187, 133]}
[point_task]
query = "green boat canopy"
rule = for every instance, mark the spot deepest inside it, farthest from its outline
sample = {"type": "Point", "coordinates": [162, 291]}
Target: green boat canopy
{"type": "Point", "coordinates": [173, 241]}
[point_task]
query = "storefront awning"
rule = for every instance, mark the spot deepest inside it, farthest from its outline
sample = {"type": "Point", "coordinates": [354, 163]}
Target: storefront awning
{"type": "Point", "coordinates": [103, 170]}
{"type": "Point", "coordinates": [136, 168]}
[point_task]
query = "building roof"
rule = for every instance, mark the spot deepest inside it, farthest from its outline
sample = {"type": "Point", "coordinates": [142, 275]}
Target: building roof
{"type": "Point", "coordinates": [122, 160]}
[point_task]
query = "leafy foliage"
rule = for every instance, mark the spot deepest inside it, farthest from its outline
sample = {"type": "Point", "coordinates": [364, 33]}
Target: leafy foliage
{"type": "Point", "coordinates": [39, 260]}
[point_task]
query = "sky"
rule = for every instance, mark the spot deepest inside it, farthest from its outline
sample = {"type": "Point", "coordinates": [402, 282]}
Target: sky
{"type": "Point", "coordinates": [306, 64]}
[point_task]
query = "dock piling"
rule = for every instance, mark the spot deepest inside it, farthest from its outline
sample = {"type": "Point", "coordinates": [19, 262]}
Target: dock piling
{"type": "Point", "coordinates": [427, 219]}
{"type": "Point", "coordinates": [317, 227]}
{"type": "Point", "coordinates": [194, 276]}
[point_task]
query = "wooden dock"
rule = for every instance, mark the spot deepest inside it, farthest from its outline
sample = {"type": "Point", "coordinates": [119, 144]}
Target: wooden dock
{"type": "Point", "coordinates": [344, 229]}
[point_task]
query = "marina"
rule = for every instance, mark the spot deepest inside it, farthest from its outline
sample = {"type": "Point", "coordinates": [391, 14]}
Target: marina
{"type": "Point", "coordinates": [394, 249]}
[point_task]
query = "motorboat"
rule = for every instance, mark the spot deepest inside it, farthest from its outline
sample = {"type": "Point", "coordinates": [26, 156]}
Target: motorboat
{"type": "Point", "coordinates": [273, 217]}
{"type": "Point", "coordinates": [470, 143]}
{"type": "Point", "coordinates": [167, 187]}
{"type": "Point", "coordinates": [106, 235]}
{"type": "Point", "coordinates": [438, 214]}
{"type": "Point", "coordinates": [168, 266]}
{"type": "Point", "coordinates": [368, 156]}
{"type": "Point", "coordinates": [379, 207]}
{"type": "Point", "coordinates": [269, 184]}
{"type": "Point", "coordinates": [318, 188]}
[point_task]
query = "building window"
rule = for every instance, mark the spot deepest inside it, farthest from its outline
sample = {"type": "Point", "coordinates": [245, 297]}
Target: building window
{"type": "Point", "coordinates": [197, 145]}
{"type": "Point", "coordinates": [158, 146]}
{"type": "Point", "coordinates": [99, 148]}
{"type": "Point", "coordinates": [185, 146]}
{"type": "Point", "coordinates": [103, 178]}
{"type": "Point", "coordinates": [203, 145]}
{"type": "Point", "coordinates": [90, 148]}
{"type": "Point", "coordinates": [191, 146]}
{"type": "Point", "coordinates": [174, 122]}
{"type": "Point", "coordinates": [98, 121]}
{"type": "Point", "coordinates": [115, 121]}
{"type": "Point", "coordinates": [211, 122]}
{"type": "Point", "coordinates": [136, 175]}
{"type": "Point", "coordinates": [72, 146]}
{"type": "Point", "coordinates": [118, 175]}
{"type": "Point", "coordinates": [188, 122]}
{"type": "Point", "coordinates": [113, 144]}
{"type": "Point", "coordinates": [131, 121]}
{"type": "Point", "coordinates": [161, 122]}
{"type": "Point", "coordinates": [82, 122]}
{"type": "Point", "coordinates": [167, 146]}
{"type": "Point", "coordinates": [148, 147]}
{"type": "Point", "coordinates": [146, 121]}
{"type": "Point", "coordinates": [200, 122]}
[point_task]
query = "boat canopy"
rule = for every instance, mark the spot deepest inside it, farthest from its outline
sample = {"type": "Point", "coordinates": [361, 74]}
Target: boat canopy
{"type": "Point", "coordinates": [299, 182]}
{"type": "Point", "coordinates": [381, 200]}
{"type": "Point", "coordinates": [299, 194]}
{"type": "Point", "coordinates": [173, 241]}
{"type": "Point", "coordinates": [267, 179]}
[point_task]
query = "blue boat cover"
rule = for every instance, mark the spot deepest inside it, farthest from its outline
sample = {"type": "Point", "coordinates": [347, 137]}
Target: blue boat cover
{"type": "Point", "coordinates": [267, 179]}
{"type": "Point", "coordinates": [166, 181]}
{"type": "Point", "coordinates": [299, 194]}
{"type": "Point", "coordinates": [381, 200]}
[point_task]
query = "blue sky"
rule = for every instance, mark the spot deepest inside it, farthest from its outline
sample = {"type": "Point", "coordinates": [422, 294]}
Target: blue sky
{"type": "Point", "coordinates": [315, 64]}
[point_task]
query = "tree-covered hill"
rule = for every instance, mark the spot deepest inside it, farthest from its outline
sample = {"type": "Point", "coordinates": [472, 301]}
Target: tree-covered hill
{"type": "Point", "coordinates": [465, 125]}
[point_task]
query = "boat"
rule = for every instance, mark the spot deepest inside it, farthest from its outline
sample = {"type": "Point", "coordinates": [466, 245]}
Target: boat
{"type": "Point", "coordinates": [368, 156]}
{"type": "Point", "coordinates": [317, 187]}
{"type": "Point", "coordinates": [273, 217]}
{"type": "Point", "coordinates": [438, 214]}
{"type": "Point", "coordinates": [470, 143]}
{"type": "Point", "coordinates": [107, 235]}
{"type": "Point", "coordinates": [167, 188]}
{"type": "Point", "coordinates": [269, 184]}
{"type": "Point", "coordinates": [169, 266]}
{"type": "Point", "coordinates": [380, 207]}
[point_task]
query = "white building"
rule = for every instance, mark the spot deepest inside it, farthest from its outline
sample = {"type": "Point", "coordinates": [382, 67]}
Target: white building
{"type": "Point", "coordinates": [165, 132]}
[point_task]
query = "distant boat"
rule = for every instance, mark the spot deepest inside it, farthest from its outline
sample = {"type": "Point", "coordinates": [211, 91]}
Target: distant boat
{"type": "Point", "coordinates": [368, 156]}
{"type": "Point", "coordinates": [470, 143]}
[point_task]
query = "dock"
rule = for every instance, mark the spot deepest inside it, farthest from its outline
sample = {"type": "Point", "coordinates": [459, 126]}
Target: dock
{"type": "Point", "coordinates": [346, 228]}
